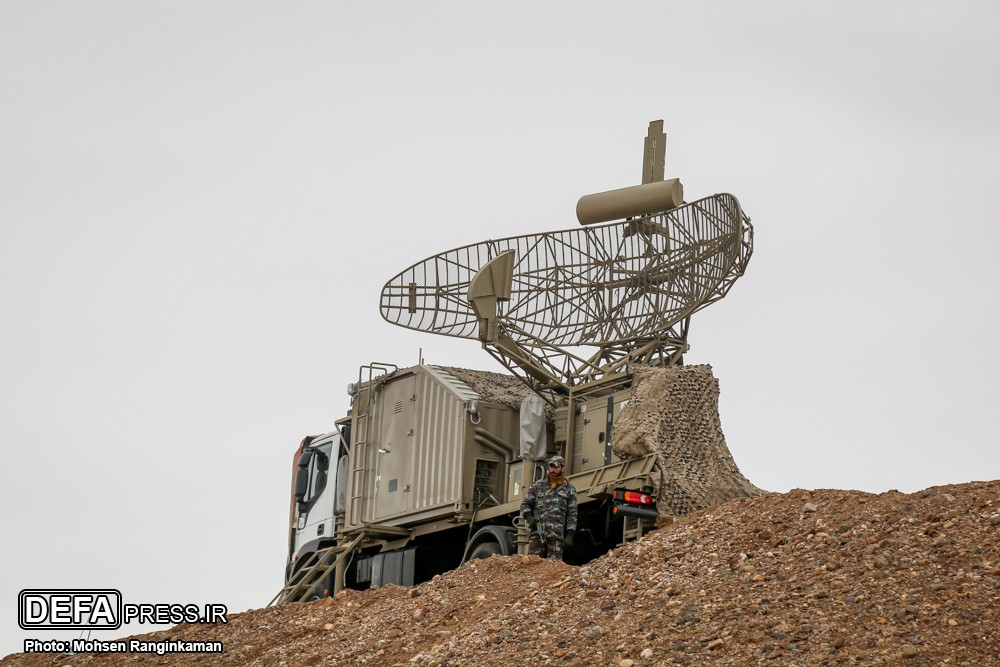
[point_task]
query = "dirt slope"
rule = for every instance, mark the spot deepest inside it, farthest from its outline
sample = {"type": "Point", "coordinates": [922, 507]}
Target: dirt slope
{"type": "Point", "coordinates": [803, 578]}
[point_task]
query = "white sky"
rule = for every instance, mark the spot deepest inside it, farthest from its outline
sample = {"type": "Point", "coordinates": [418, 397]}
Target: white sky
{"type": "Point", "coordinates": [200, 202]}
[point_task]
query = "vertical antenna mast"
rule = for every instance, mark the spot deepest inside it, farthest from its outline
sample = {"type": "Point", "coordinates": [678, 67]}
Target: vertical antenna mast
{"type": "Point", "coordinates": [654, 153]}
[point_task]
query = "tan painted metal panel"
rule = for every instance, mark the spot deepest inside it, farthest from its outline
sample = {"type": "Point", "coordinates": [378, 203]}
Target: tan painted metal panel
{"type": "Point", "coordinates": [440, 427]}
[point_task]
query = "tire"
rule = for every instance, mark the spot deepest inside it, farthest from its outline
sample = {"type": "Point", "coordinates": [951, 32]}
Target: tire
{"type": "Point", "coordinates": [485, 550]}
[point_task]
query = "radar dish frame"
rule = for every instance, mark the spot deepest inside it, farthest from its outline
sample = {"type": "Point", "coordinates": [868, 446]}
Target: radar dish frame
{"type": "Point", "coordinates": [581, 304]}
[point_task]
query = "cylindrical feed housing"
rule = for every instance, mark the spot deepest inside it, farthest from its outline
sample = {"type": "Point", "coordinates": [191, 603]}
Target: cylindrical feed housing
{"type": "Point", "coordinates": [627, 202]}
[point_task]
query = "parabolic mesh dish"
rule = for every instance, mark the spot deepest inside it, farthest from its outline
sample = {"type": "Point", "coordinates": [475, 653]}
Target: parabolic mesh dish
{"type": "Point", "coordinates": [592, 286]}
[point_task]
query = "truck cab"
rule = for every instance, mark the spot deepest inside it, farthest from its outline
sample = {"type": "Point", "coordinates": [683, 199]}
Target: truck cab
{"type": "Point", "coordinates": [319, 480]}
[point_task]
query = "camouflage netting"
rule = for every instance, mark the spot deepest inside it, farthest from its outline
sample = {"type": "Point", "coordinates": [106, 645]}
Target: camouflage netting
{"type": "Point", "coordinates": [674, 413]}
{"type": "Point", "coordinates": [493, 387]}
{"type": "Point", "coordinates": [496, 387]}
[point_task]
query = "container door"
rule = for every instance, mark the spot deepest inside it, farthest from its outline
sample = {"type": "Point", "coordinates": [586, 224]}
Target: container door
{"type": "Point", "coordinates": [393, 467]}
{"type": "Point", "coordinates": [595, 430]}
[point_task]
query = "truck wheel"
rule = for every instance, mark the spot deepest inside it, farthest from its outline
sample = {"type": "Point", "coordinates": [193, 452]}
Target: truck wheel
{"type": "Point", "coordinates": [485, 550]}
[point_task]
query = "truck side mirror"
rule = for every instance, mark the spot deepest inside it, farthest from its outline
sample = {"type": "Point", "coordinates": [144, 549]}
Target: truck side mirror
{"type": "Point", "coordinates": [302, 475]}
{"type": "Point", "coordinates": [301, 484]}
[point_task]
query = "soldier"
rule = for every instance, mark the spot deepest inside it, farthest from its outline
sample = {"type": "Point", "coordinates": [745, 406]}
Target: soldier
{"type": "Point", "coordinates": [549, 508]}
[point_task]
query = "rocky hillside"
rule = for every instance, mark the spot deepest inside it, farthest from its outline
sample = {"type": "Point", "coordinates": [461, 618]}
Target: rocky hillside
{"type": "Point", "coordinates": [803, 578]}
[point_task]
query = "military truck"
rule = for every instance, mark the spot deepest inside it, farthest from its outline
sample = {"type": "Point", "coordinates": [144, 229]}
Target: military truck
{"type": "Point", "coordinates": [430, 464]}
{"type": "Point", "coordinates": [426, 472]}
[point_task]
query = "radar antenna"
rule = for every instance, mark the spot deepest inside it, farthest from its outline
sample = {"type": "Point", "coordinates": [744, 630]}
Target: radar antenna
{"type": "Point", "coordinates": [567, 311]}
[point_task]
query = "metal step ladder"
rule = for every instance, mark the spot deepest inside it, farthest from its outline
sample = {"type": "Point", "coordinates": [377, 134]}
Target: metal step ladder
{"type": "Point", "coordinates": [633, 528]}
{"type": "Point", "coordinates": [314, 570]}
{"type": "Point", "coordinates": [359, 448]}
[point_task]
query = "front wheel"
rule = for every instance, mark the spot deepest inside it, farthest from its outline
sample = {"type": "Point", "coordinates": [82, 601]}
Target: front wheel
{"type": "Point", "coordinates": [485, 550]}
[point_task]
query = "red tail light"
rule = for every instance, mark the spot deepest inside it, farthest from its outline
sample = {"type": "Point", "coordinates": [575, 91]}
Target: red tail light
{"type": "Point", "coordinates": [634, 497]}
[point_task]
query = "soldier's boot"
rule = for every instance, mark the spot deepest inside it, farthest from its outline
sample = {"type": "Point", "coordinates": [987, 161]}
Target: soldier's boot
{"type": "Point", "coordinates": [554, 548]}
{"type": "Point", "coordinates": [535, 546]}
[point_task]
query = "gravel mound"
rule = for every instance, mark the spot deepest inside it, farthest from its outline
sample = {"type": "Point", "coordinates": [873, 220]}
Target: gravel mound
{"type": "Point", "coordinates": [821, 577]}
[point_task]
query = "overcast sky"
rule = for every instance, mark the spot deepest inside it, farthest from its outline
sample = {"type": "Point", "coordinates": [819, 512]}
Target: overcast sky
{"type": "Point", "coordinates": [200, 202]}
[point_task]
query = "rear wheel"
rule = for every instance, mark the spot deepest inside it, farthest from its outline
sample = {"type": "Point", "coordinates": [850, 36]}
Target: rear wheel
{"type": "Point", "coordinates": [485, 550]}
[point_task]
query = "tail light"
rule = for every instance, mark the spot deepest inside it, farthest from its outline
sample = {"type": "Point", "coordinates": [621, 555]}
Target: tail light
{"type": "Point", "coordinates": [634, 497]}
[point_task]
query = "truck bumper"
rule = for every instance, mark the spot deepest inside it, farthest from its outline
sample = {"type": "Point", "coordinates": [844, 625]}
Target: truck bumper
{"type": "Point", "coordinates": [640, 512]}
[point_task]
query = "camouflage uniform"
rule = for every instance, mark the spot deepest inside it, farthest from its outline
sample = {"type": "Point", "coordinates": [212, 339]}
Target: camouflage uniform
{"type": "Point", "coordinates": [554, 508]}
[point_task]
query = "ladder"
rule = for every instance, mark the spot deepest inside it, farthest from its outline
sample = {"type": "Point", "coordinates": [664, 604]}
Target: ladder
{"type": "Point", "coordinates": [315, 569]}
{"type": "Point", "coordinates": [633, 528]}
{"type": "Point", "coordinates": [359, 446]}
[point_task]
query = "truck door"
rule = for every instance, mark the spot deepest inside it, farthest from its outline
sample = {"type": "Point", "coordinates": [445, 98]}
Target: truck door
{"type": "Point", "coordinates": [392, 463]}
{"type": "Point", "coordinates": [316, 517]}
